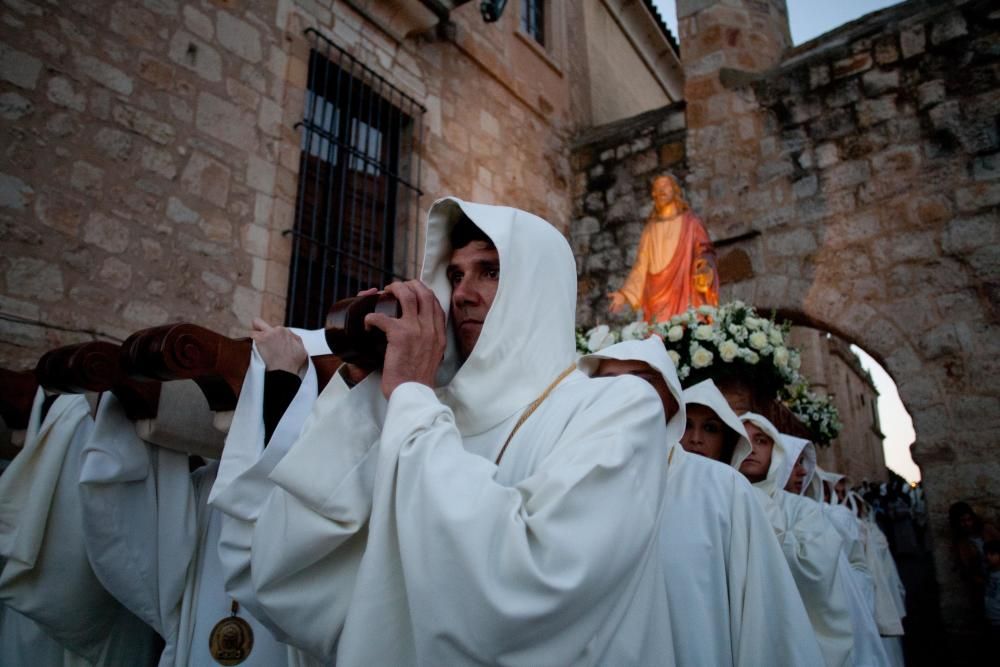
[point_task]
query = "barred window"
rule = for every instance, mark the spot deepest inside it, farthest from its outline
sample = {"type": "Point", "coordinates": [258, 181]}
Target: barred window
{"type": "Point", "coordinates": [358, 199]}
{"type": "Point", "coordinates": [533, 19]}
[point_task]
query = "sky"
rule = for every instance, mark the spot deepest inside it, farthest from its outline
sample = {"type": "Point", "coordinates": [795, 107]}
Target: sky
{"type": "Point", "coordinates": [809, 19]}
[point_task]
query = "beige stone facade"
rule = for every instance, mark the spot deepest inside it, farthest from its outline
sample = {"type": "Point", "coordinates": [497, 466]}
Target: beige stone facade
{"type": "Point", "coordinates": [834, 370]}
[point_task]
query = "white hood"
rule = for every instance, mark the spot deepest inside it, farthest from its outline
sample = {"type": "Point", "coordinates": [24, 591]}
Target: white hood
{"type": "Point", "coordinates": [707, 394]}
{"type": "Point", "coordinates": [528, 337]}
{"type": "Point", "coordinates": [778, 454]}
{"type": "Point", "coordinates": [828, 479]}
{"type": "Point", "coordinates": [653, 352]}
{"type": "Point", "coordinates": [793, 448]}
{"type": "Point", "coordinates": [809, 461]}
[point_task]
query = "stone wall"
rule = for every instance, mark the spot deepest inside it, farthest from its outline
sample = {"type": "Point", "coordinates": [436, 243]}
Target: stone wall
{"type": "Point", "coordinates": [614, 166]}
{"type": "Point", "coordinates": [851, 184]}
{"type": "Point", "coordinates": [150, 160]}
{"type": "Point", "coordinates": [834, 370]}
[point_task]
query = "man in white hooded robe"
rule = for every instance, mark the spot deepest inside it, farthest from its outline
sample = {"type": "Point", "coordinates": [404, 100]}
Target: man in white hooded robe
{"type": "Point", "coordinates": [812, 546]}
{"type": "Point", "coordinates": [732, 597]}
{"type": "Point", "coordinates": [507, 515]}
{"type": "Point", "coordinates": [153, 538]}
{"type": "Point", "coordinates": [55, 610]}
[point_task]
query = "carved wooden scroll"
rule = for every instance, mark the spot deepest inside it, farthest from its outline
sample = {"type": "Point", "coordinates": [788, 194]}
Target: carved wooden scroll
{"type": "Point", "coordinates": [17, 393]}
{"type": "Point", "coordinates": [96, 367]}
{"type": "Point", "coordinates": [189, 352]}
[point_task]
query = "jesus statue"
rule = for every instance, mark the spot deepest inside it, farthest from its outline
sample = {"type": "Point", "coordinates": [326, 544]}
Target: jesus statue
{"type": "Point", "coordinates": [675, 266]}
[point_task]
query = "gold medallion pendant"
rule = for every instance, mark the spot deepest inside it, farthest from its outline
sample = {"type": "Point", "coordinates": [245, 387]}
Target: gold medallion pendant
{"type": "Point", "coordinates": [231, 640]}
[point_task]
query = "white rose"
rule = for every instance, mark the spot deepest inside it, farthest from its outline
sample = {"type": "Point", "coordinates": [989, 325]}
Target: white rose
{"type": "Point", "coordinates": [752, 323]}
{"type": "Point", "coordinates": [795, 360]}
{"type": "Point", "coordinates": [674, 357]}
{"type": "Point", "coordinates": [776, 338]}
{"type": "Point", "coordinates": [704, 332]}
{"type": "Point", "coordinates": [683, 372]}
{"type": "Point", "coordinates": [599, 338]}
{"type": "Point", "coordinates": [707, 309]}
{"type": "Point", "coordinates": [728, 350]}
{"type": "Point", "coordinates": [758, 339]}
{"type": "Point", "coordinates": [751, 358]}
{"type": "Point", "coordinates": [701, 358]}
{"type": "Point", "coordinates": [634, 331]}
{"type": "Point", "coordinates": [781, 357]}
{"type": "Point", "coordinates": [675, 333]}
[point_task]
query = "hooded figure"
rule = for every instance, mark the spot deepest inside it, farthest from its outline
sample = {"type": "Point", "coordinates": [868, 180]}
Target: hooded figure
{"type": "Point", "coordinates": [812, 547]}
{"type": "Point", "coordinates": [507, 516]}
{"type": "Point", "coordinates": [732, 598]}
{"type": "Point", "coordinates": [858, 582]}
{"type": "Point", "coordinates": [736, 445]}
{"type": "Point", "coordinates": [55, 610]}
{"type": "Point", "coordinates": [890, 595]}
{"type": "Point", "coordinates": [151, 535]}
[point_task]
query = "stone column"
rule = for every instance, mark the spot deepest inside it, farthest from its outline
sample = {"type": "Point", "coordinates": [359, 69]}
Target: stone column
{"type": "Point", "coordinates": [722, 42]}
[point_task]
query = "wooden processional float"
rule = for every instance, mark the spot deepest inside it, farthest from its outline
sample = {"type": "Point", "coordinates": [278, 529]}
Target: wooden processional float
{"type": "Point", "coordinates": [179, 383]}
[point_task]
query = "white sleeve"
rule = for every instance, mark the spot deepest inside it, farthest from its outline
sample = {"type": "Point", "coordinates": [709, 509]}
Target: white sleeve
{"type": "Point", "coordinates": [760, 579]}
{"type": "Point", "coordinates": [140, 518]}
{"type": "Point", "coordinates": [311, 528]}
{"type": "Point", "coordinates": [243, 486]}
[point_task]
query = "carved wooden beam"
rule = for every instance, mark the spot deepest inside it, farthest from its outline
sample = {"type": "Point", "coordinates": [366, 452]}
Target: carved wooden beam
{"type": "Point", "coordinates": [96, 367]}
{"type": "Point", "coordinates": [189, 352]}
{"type": "Point", "coordinates": [17, 393]}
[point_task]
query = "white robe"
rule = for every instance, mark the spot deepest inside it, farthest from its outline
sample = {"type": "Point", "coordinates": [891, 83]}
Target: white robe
{"type": "Point", "coordinates": [154, 539]}
{"type": "Point", "coordinates": [732, 598]}
{"type": "Point", "coordinates": [394, 539]}
{"type": "Point", "coordinates": [812, 549]}
{"type": "Point", "coordinates": [859, 585]}
{"type": "Point", "coordinates": [47, 582]}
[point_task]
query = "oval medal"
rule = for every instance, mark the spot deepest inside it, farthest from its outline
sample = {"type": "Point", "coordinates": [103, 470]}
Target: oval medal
{"type": "Point", "coordinates": [231, 641]}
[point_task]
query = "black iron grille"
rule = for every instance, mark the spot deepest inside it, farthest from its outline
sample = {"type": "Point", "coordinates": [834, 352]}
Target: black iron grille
{"type": "Point", "coordinates": [359, 185]}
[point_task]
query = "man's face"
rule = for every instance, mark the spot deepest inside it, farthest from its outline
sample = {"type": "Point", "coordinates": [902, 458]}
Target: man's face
{"type": "Point", "coordinates": [616, 367]}
{"type": "Point", "coordinates": [474, 274]}
{"type": "Point", "coordinates": [798, 476]}
{"type": "Point", "coordinates": [705, 433]}
{"type": "Point", "coordinates": [756, 465]}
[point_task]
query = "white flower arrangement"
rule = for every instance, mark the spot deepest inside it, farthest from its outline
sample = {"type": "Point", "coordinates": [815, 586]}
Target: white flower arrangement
{"type": "Point", "coordinates": [817, 412]}
{"type": "Point", "coordinates": [709, 341]}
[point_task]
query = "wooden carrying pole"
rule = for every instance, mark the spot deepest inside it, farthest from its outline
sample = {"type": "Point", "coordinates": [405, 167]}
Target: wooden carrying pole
{"type": "Point", "coordinates": [96, 367]}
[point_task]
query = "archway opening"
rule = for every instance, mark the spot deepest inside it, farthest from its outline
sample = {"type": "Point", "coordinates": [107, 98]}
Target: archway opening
{"type": "Point", "coordinates": [877, 430]}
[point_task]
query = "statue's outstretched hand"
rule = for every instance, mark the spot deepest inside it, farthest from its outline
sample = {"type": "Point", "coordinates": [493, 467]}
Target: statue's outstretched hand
{"type": "Point", "coordinates": [617, 301]}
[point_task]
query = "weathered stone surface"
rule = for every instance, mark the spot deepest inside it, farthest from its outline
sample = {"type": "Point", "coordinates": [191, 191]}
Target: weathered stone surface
{"type": "Point", "coordinates": [14, 106]}
{"type": "Point", "coordinates": [143, 123]}
{"type": "Point", "coordinates": [115, 273]}
{"type": "Point", "coordinates": [34, 279]}
{"type": "Point", "coordinates": [188, 51]}
{"type": "Point", "coordinates": [225, 122]}
{"type": "Point", "coordinates": [238, 36]}
{"type": "Point", "coordinates": [207, 178]}
{"type": "Point", "coordinates": [105, 74]}
{"type": "Point", "coordinates": [15, 193]}
{"type": "Point", "coordinates": [61, 93]}
{"type": "Point", "coordinates": [20, 69]}
{"type": "Point", "coordinates": [145, 314]}
{"type": "Point", "coordinates": [106, 232]}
